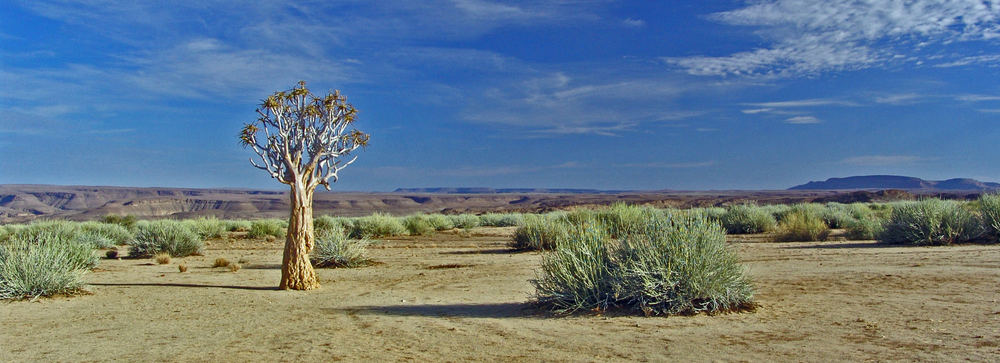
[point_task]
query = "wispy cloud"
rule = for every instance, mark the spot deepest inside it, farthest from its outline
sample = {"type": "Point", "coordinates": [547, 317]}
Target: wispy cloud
{"type": "Point", "coordinates": [802, 120]}
{"type": "Point", "coordinates": [900, 99]}
{"type": "Point", "coordinates": [766, 106]}
{"type": "Point", "coordinates": [992, 59]}
{"type": "Point", "coordinates": [882, 160]}
{"type": "Point", "coordinates": [634, 23]}
{"type": "Point", "coordinates": [665, 165]}
{"type": "Point", "coordinates": [812, 36]}
{"type": "Point", "coordinates": [977, 98]}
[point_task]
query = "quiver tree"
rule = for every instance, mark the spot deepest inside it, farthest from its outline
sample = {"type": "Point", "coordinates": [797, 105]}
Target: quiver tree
{"type": "Point", "coordinates": [304, 141]}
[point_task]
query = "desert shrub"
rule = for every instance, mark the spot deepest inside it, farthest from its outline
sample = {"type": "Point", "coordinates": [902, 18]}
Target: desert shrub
{"type": "Point", "coordinates": [237, 225]}
{"type": "Point", "coordinates": [127, 221]}
{"type": "Point", "coordinates": [989, 211]}
{"type": "Point", "coordinates": [673, 265]}
{"type": "Point", "coordinates": [220, 262]}
{"type": "Point", "coordinates": [864, 228]}
{"type": "Point", "coordinates": [377, 225]}
{"type": "Point", "coordinates": [42, 264]}
{"type": "Point", "coordinates": [170, 237]}
{"type": "Point", "coordinates": [336, 250]}
{"type": "Point", "coordinates": [802, 224]}
{"type": "Point", "coordinates": [501, 219]}
{"type": "Point", "coordinates": [267, 227]}
{"type": "Point", "coordinates": [747, 218]}
{"type": "Point", "coordinates": [324, 225]}
{"type": "Point", "coordinates": [578, 217]}
{"type": "Point", "coordinates": [117, 234]}
{"type": "Point", "coordinates": [778, 211]}
{"type": "Point", "coordinates": [931, 222]}
{"type": "Point", "coordinates": [712, 213]}
{"type": "Point", "coordinates": [440, 222]}
{"type": "Point", "coordinates": [95, 240]}
{"type": "Point", "coordinates": [539, 233]}
{"type": "Point", "coordinates": [464, 221]}
{"type": "Point", "coordinates": [621, 219]}
{"type": "Point", "coordinates": [206, 227]}
{"type": "Point", "coordinates": [418, 225]}
{"type": "Point", "coordinates": [162, 258]}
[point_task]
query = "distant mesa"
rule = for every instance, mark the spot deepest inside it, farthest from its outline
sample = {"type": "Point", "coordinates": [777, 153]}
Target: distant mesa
{"type": "Point", "coordinates": [896, 182]}
{"type": "Point", "coordinates": [467, 190]}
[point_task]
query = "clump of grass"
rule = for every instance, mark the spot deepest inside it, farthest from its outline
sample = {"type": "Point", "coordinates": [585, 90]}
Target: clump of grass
{"type": "Point", "coordinates": [440, 222]}
{"type": "Point", "coordinates": [501, 219]}
{"type": "Point", "coordinates": [116, 234]}
{"type": "Point", "coordinates": [336, 250]}
{"type": "Point", "coordinates": [168, 237]}
{"type": "Point", "coordinates": [865, 228]}
{"type": "Point", "coordinates": [323, 225]}
{"type": "Point", "coordinates": [234, 267]}
{"type": "Point", "coordinates": [220, 262]}
{"type": "Point", "coordinates": [377, 225]}
{"type": "Point", "coordinates": [539, 233]}
{"type": "Point", "coordinates": [239, 225]}
{"type": "Point", "coordinates": [162, 258]}
{"type": "Point", "coordinates": [111, 254]}
{"type": "Point", "coordinates": [931, 222]}
{"type": "Point", "coordinates": [42, 264]}
{"type": "Point", "coordinates": [418, 225]}
{"type": "Point", "coordinates": [673, 265]}
{"type": "Point", "coordinates": [267, 227]}
{"type": "Point", "coordinates": [747, 218]}
{"type": "Point", "coordinates": [802, 224]}
{"type": "Point", "coordinates": [621, 219]}
{"type": "Point", "coordinates": [207, 227]}
{"type": "Point", "coordinates": [989, 211]}
{"type": "Point", "coordinates": [464, 221]}
{"type": "Point", "coordinates": [127, 221]}
{"type": "Point", "coordinates": [182, 268]}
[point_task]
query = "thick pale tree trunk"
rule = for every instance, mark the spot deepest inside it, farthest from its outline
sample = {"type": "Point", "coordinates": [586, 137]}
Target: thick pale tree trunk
{"type": "Point", "coordinates": [296, 271]}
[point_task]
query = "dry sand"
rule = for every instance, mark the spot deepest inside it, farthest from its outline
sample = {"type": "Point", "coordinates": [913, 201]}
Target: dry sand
{"type": "Point", "coordinates": [461, 296]}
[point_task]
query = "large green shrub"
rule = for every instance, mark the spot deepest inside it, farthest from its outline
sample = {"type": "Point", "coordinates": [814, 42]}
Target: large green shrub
{"type": "Point", "coordinates": [42, 264]}
{"type": "Point", "coordinates": [931, 222]}
{"type": "Point", "coordinates": [206, 227]}
{"type": "Point", "coordinates": [377, 225]}
{"type": "Point", "coordinates": [267, 227]}
{"type": "Point", "coordinates": [865, 228]}
{"type": "Point", "coordinates": [333, 249]}
{"type": "Point", "coordinates": [747, 218]}
{"type": "Point", "coordinates": [237, 225]}
{"type": "Point", "coordinates": [440, 222]}
{"type": "Point", "coordinates": [116, 234]}
{"type": "Point", "coordinates": [127, 221]}
{"type": "Point", "coordinates": [324, 225]}
{"type": "Point", "coordinates": [169, 237]}
{"type": "Point", "coordinates": [802, 224]}
{"type": "Point", "coordinates": [673, 265]}
{"type": "Point", "coordinates": [539, 233]}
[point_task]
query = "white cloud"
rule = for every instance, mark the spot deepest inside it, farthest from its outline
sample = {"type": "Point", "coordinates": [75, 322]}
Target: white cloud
{"type": "Point", "coordinates": [755, 111]}
{"type": "Point", "coordinates": [993, 59]}
{"type": "Point", "coordinates": [882, 160]}
{"type": "Point", "coordinates": [802, 120]}
{"type": "Point", "coordinates": [634, 23]}
{"type": "Point", "coordinates": [900, 99]}
{"type": "Point", "coordinates": [801, 103]}
{"type": "Point", "coordinates": [977, 98]}
{"type": "Point", "coordinates": [664, 165]}
{"type": "Point", "coordinates": [812, 36]}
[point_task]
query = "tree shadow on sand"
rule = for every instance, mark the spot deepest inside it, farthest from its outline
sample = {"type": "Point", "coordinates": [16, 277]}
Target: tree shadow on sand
{"type": "Point", "coordinates": [491, 251]}
{"type": "Point", "coordinates": [502, 310]}
{"type": "Point", "coordinates": [258, 288]}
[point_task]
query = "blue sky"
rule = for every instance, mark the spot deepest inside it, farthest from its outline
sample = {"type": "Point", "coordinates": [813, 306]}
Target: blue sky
{"type": "Point", "coordinates": [578, 94]}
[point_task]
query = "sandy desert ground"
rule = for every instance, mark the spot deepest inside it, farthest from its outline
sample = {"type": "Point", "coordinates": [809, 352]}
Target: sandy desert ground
{"type": "Point", "coordinates": [460, 296]}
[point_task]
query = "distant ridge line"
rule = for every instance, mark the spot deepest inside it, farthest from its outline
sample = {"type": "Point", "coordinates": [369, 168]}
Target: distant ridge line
{"type": "Point", "coordinates": [897, 182]}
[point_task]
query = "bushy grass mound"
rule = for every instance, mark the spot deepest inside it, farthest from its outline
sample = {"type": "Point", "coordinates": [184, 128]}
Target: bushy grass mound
{"type": "Point", "coordinates": [377, 225]}
{"type": "Point", "coordinates": [206, 227]}
{"type": "Point", "coordinates": [931, 222]}
{"type": "Point", "coordinates": [117, 234]}
{"type": "Point", "coordinates": [418, 225]}
{"type": "Point", "coordinates": [673, 265]}
{"type": "Point", "coordinates": [501, 219]}
{"type": "Point", "coordinates": [865, 228]}
{"type": "Point", "coordinates": [802, 224]}
{"type": "Point", "coordinates": [440, 222]}
{"type": "Point", "coordinates": [539, 232]}
{"type": "Point", "coordinates": [747, 218]}
{"type": "Point", "coordinates": [170, 237]}
{"type": "Point", "coordinates": [989, 211]}
{"type": "Point", "coordinates": [237, 225]}
{"type": "Point", "coordinates": [127, 221]}
{"type": "Point", "coordinates": [464, 221]}
{"type": "Point", "coordinates": [324, 225]}
{"type": "Point", "coordinates": [335, 250]}
{"type": "Point", "coordinates": [267, 227]}
{"type": "Point", "coordinates": [42, 264]}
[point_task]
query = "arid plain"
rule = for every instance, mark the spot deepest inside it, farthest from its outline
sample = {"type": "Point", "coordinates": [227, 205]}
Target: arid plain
{"type": "Point", "coordinates": [462, 295]}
